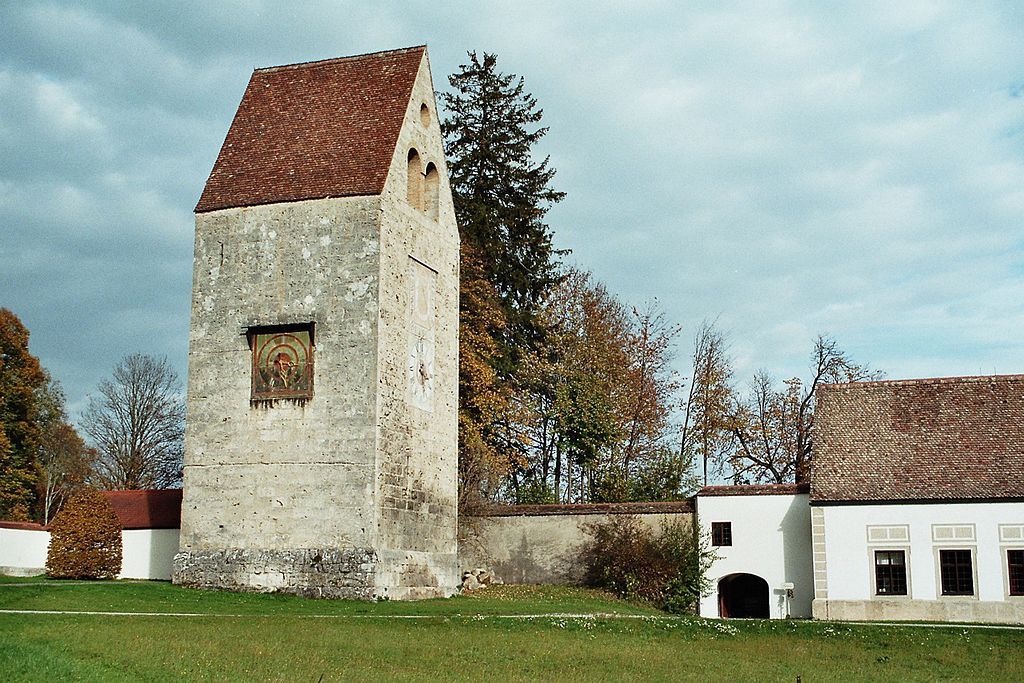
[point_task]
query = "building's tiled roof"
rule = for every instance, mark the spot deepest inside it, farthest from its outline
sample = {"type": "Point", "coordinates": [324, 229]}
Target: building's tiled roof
{"type": "Point", "coordinates": [665, 507]}
{"type": "Point", "coordinates": [314, 130]}
{"type": "Point", "coordinates": [754, 490]}
{"type": "Point", "coordinates": [150, 509]}
{"type": "Point", "coordinates": [955, 438]}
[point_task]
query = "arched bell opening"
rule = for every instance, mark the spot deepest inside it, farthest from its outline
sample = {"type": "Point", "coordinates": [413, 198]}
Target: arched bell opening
{"type": "Point", "coordinates": [431, 188]}
{"type": "Point", "coordinates": [414, 175]}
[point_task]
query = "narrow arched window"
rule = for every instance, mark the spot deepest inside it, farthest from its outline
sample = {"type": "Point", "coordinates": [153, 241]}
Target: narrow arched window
{"type": "Point", "coordinates": [430, 191]}
{"type": "Point", "coordinates": [414, 173]}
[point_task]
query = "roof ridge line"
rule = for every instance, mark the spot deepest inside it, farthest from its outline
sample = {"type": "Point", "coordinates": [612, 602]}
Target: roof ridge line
{"type": "Point", "coordinates": [334, 60]}
{"type": "Point", "coordinates": [925, 380]}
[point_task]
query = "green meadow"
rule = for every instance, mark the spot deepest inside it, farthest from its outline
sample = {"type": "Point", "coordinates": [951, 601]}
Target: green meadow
{"type": "Point", "coordinates": [502, 633]}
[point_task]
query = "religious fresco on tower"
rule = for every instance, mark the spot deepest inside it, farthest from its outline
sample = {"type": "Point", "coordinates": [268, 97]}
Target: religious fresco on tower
{"type": "Point", "coordinates": [282, 363]}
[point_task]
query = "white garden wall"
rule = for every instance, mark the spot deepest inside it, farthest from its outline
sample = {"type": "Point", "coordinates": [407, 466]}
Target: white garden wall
{"type": "Point", "coordinates": [146, 553]}
{"type": "Point", "coordinates": [23, 550]}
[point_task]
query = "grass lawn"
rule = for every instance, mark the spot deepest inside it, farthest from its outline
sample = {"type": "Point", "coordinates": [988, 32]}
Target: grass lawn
{"type": "Point", "coordinates": [274, 637]}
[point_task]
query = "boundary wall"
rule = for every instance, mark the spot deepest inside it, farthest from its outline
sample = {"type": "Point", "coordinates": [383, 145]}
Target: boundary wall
{"type": "Point", "coordinates": [23, 548]}
{"type": "Point", "coordinates": [146, 553]}
{"type": "Point", "coordinates": [541, 543]}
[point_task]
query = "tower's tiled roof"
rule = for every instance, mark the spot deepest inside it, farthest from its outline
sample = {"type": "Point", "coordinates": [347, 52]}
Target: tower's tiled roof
{"type": "Point", "coordinates": [954, 438]}
{"type": "Point", "coordinates": [314, 130]}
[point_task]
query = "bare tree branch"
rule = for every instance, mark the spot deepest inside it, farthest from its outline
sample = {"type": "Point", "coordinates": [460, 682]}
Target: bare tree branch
{"type": "Point", "coordinates": [137, 425]}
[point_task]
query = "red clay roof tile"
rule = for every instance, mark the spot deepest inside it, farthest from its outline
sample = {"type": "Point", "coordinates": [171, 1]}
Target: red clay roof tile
{"type": "Point", "coordinates": [950, 438]}
{"type": "Point", "coordinates": [23, 526]}
{"type": "Point", "coordinates": [149, 509]}
{"type": "Point", "coordinates": [314, 130]}
{"type": "Point", "coordinates": [754, 490]}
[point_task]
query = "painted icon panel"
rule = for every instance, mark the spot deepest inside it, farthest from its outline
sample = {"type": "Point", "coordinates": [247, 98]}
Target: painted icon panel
{"type": "Point", "coordinates": [282, 364]}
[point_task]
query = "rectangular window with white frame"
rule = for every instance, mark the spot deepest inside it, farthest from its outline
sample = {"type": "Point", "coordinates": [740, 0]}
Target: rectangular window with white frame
{"type": "Point", "coordinates": [890, 572]}
{"type": "Point", "coordinates": [955, 562]}
{"type": "Point", "coordinates": [1015, 571]}
{"type": "Point", "coordinates": [1011, 536]}
{"type": "Point", "coordinates": [956, 571]}
{"type": "Point", "coordinates": [889, 560]}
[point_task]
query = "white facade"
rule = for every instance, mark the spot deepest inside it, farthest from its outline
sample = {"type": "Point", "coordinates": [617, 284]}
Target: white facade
{"type": "Point", "coordinates": [847, 538]}
{"type": "Point", "coordinates": [771, 539]}
{"type": "Point", "coordinates": [148, 553]}
{"type": "Point", "coordinates": [23, 551]}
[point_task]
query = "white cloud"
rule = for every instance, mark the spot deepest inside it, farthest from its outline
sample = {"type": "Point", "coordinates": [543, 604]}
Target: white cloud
{"type": "Point", "coordinates": [62, 111]}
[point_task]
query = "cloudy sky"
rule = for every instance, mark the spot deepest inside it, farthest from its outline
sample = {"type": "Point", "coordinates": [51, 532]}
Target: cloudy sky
{"type": "Point", "coordinates": [787, 168]}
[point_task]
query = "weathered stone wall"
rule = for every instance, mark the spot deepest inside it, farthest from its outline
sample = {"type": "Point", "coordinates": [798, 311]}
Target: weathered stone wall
{"type": "Point", "coordinates": [285, 476]}
{"type": "Point", "coordinates": [416, 480]}
{"type": "Point", "coordinates": [310, 572]}
{"type": "Point", "coordinates": [542, 543]}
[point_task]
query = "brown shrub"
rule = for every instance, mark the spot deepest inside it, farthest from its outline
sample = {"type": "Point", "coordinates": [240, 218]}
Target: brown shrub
{"type": "Point", "coordinates": [85, 539]}
{"type": "Point", "coordinates": [667, 569]}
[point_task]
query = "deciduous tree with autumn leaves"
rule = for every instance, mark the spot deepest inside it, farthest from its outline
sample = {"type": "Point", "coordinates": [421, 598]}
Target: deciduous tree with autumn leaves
{"type": "Point", "coordinates": [42, 458]}
{"type": "Point", "coordinates": [22, 382]}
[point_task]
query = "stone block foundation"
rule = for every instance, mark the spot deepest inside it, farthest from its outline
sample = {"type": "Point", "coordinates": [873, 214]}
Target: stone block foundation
{"type": "Point", "coordinates": [355, 573]}
{"type": "Point", "coordinates": [309, 572]}
{"type": "Point", "coordinates": [954, 610]}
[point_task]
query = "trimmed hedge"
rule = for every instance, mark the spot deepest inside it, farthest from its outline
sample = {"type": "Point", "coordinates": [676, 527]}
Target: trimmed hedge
{"type": "Point", "coordinates": [85, 539]}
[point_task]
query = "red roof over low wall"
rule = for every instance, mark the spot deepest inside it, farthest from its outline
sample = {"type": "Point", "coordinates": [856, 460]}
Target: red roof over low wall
{"type": "Point", "coordinates": [755, 490]}
{"type": "Point", "coordinates": [586, 509]}
{"type": "Point", "coordinates": [25, 526]}
{"type": "Point", "coordinates": [149, 509]}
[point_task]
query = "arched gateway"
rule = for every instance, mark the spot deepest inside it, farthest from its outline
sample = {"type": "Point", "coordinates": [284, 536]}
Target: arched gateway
{"type": "Point", "coordinates": [743, 596]}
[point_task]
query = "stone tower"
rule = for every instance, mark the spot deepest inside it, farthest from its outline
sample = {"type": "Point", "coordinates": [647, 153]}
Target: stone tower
{"type": "Point", "coordinates": [321, 441]}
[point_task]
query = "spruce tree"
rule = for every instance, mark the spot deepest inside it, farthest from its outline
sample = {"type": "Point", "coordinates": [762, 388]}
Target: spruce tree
{"type": "Point", "coordinates": [509, 265]}
{"type": "Point", "coordinates": [502, 194]}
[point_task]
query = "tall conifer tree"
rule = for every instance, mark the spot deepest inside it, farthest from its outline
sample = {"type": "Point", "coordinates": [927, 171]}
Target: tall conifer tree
{"type": "Point", "coordinates": [502, 194]}
{"type": "Point", "coordinates": [509, 265]}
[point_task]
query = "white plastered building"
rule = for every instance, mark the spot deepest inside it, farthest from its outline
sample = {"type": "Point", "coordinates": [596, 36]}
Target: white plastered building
{"type": "Point", "coordinates": [917, 500]}
{"type": "Point", "coordinates": [915, 511]}
{"type": "Point", "coordinates": [762, 538]}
